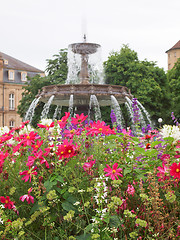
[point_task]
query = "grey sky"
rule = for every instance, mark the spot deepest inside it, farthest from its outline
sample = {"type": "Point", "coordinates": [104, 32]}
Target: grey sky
{"type": "Point", "coordinates": [35, 30]}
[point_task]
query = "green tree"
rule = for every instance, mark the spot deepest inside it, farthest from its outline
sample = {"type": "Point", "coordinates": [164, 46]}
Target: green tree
{"type": "Point", "coordinates": [173, 76]}
{"type": "Point", "coordinates": [147, 82]}
{"type": "Point", "coordinates": [56, 74]}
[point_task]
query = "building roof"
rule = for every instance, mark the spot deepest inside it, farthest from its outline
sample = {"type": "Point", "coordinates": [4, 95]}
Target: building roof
{"type": "Point", "coordinates": [176, 46]}
{"type": "Point", "coordinates": [16, 64]}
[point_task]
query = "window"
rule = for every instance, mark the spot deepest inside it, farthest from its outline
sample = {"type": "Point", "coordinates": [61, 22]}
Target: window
{"type": "Point", "coordinates": [23, 76]}
{"type": "Point", "coordinates": [5, 61]}
{"type": "Point", "coordinates": [11, 124]}
{"type": "Point", "coordinates": [169, 55]}
{"type": "Point", "coordinates": [11, 101]}
{"type": "Point", "coordinates": [11, 75]}
{"type": "Point", "coordinates": [175, 54]}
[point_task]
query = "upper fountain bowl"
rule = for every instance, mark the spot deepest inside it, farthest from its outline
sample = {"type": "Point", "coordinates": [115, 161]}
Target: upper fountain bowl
{"type": "Point", "coordinates": [84, 48]}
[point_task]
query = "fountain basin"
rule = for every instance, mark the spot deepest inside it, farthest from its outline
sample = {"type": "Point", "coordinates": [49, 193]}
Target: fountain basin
{"type": "Point", "coordinates": [82, 93]}
{"type": "Point", "coordinates": [84, 48]}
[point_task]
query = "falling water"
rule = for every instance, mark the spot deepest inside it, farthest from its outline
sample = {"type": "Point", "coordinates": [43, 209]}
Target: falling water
{"type": "Point", "coordinates": [129, 109]}
{"type": "Point", "coordinates": [94, 103]}
{"type": "Point", "coordinates": [30, 112]}
{"type": "Point", "coordinates": [117, 110]}
{"type": "Point", "coordinates": [57, 112]}
{"type": "Point", "coordinates": [70, 109]}
{"type": "Point", "coordinates": [145, 112]}
{"type": "Point", "coordinates": [46, 107]}
{"type": "Point", "coordinates": [95, 67]}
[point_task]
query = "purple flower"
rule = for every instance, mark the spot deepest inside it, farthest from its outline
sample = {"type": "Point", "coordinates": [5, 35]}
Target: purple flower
{"type": "Point", "coordinates": [136, 116]}
{"type": "Point", "coordinates": [113, 117]}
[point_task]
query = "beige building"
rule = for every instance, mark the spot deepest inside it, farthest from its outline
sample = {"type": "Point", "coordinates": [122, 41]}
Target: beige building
{"type": "Point", "coordinates": [173, 55]}
{"type": "Point", "coordinates": [13, 75]}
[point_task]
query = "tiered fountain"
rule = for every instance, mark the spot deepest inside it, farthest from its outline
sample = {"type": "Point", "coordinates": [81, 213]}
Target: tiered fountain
{"type": "Point", "coordinates": [84, 92]}
{"type": "Point", "coordinates": [84, 95]}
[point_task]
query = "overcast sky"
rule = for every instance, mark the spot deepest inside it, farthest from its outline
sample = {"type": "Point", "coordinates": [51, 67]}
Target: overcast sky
{"type": "Point", "coordinates": [34, 30]}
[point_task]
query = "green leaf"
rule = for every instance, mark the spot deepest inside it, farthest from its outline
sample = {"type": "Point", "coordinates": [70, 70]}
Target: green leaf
{"type": "Point", "coordinates": [34, 208]}
{"type": "Point", "coordinates": [155, 143]}
{"type": "Point", "coordinates": [89, 228]}
{"type": "Point", "coordinates": [49, 185]}
{"type": "Point", "coordinates": [84, 237]}
{"type": "Point", "coordinates": [114, 221]}
{"type": "Point", "coordinates": [68, 206]}
{"type": "Point", "coordinates": [126, 171]}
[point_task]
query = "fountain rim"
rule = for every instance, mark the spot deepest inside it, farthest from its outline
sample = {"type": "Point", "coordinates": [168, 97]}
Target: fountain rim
{"type": "Point", "coordinates": [84, 48]}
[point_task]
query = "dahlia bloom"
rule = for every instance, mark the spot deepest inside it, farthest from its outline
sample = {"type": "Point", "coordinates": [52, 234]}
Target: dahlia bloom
{"type": "Point", "coordinates": [175, 170]}
{"type": "Point", "coordinates": [114, 172]}
{"type": "Point", "coordinates": [8, 203]}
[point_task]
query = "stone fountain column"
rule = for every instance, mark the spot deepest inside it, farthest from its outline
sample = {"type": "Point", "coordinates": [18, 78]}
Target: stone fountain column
{"type": "Point", "coordinates": [84, 74]}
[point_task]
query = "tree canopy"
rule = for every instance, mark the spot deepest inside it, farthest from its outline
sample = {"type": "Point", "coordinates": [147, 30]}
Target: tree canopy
{"type": "Point", "coordinates": [56, 74]}
{"type": "Point", "coordinates": [147, 82]}
{"type": "Point", "coordinates": [173, 76]}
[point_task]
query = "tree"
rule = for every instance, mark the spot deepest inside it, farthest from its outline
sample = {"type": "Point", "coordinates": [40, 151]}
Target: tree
{"type": "Point", "coordinates": [173, 76]}
{"type": "Point", "coordinates": [56, 74]}
{"type": "Point", "coordinates": [147, 82]}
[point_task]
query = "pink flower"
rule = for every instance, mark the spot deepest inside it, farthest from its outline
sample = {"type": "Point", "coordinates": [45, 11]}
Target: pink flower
{"type": "Point", "coordinates": [114, 172]}
{"type": "Point", "coordinates": [175, 170]}
{"type": "Point", "coordinates": [78, 119]}
{"type": "Point", "coordinates": [162, 173]}
{"type": "Point", "coordinates": [28, 197]}
{"type": "Point", "coordinates": [28, 174]}
{"type": "Point", "coordinates": [130, 190]}
{"type": "Point", "coordinates": [165, 157]}
{"type": "Point", "coordinates": [128, 133]}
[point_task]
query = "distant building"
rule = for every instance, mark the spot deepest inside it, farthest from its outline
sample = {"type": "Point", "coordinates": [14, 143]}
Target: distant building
{"type": "Point", "coordinates": [173, 55]}
{"type": "Point", "coordinates": [13, 75]}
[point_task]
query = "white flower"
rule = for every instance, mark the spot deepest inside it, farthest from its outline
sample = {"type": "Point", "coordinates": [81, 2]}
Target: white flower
{"type": "Point", "coordinates": [1, 221]}
{"type": "Point", "coordinates": [4, 130]}
{"type": "Point", "coordinates": [170, 131]}
{"type": "Point", "coordinates": [26, 129]}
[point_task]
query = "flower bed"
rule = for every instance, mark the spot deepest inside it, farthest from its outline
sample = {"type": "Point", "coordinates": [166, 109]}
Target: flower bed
{"type": "Point", "coordinates": [71, 180]}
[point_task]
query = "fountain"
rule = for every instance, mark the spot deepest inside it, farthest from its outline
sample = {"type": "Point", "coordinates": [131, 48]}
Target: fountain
{"type": "Point", "coordinates": [83, 93]}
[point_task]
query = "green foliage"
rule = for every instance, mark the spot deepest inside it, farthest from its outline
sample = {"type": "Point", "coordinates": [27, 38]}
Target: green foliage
{"type": "Point", "coordinates": [173, 76]}
{"type": "Point", "coordinates": [147, 82]}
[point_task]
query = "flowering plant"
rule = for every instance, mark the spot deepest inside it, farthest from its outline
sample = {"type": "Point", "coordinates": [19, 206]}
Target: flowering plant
{"type": "Point", "coordinates": [72, 180]}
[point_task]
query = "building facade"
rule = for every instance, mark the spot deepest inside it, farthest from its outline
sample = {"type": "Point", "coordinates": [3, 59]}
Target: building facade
{"type": "Point", "coordinates": [173, 55]}
{"type": "Point", "coordinates": [13, 75]}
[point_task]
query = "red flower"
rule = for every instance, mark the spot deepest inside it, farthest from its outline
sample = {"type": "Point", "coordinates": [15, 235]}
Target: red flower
{"type": "Point", "coordinates": [28, 174]}
{"type": "Point", "coordinates": [66, 150]}
{"type": "Point", "coordinates": [114, 172]}
{"type": "Point", "coordinates": [148, 146]}
{"type": "Point", "coordinates": [175, 170]}
{"type": "Point", "coordinates": [8, 203]}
